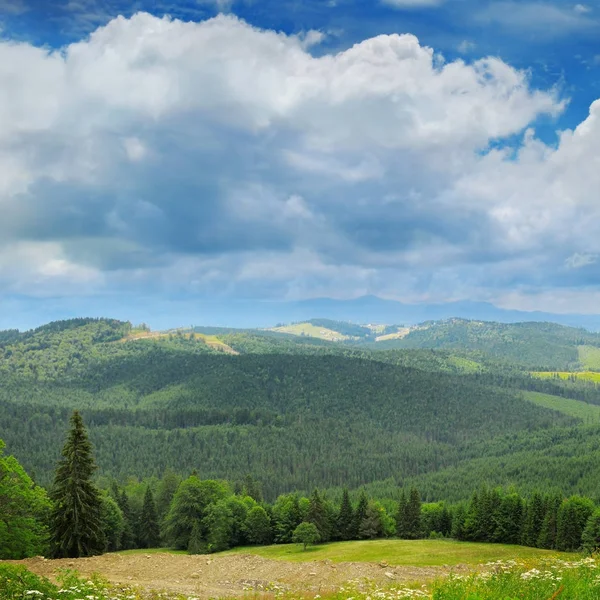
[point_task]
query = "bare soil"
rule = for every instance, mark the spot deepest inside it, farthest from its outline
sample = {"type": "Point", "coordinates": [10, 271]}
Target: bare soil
{"type": "Point", "coordinates": [206, 576]}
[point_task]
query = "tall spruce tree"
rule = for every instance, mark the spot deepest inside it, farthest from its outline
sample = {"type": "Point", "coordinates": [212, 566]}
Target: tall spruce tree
{"type": "Point", "coordinates": [413, 515]}
{"type": "Point", "coordinates": [76, 518]}
{"type": "Point", "coordinates": [345, 518]}
{"type": "Point", "coordinates": [359, 514]}
{"type": "Point", "coordinates": [401, 516]}
{"type": "Point", "coordinates": [317, 514]}
{"type": "Point", "coordinates": [149, 532]}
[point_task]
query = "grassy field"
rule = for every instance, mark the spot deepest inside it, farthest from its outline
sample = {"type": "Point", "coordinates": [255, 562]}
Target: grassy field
{"type": "Point", "coordinates": [415, 553]}
{"type": "Point", "coordinates": [586, 375]}
{"type": "Point", "coordinates": [574, 408]}
{"type": "Point", "coordinates": [589, 357]}
{"type": "Point", "coordinates": [311, 330]}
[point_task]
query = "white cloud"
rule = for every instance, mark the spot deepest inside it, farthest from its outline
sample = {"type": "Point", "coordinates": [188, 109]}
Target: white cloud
{"type": "Point", "coordinates": [466, 46]}
{"type": "Point", "coordinates": [582, 9]}
{"type": "Point", "coordinates": [403, 4]}
{"type": "Point", "coordinates": [213, 155]}
{"type": "Point", "coordinates": [545, 18]}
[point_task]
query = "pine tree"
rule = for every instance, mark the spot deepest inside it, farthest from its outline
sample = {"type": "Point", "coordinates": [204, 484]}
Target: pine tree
{"type": "Point", "coordinates": [128, 538]}
{"type": "Point", "coordinates": [76, 519]}
{"type": "Point", "coordinates": [547, 537]}
{"type": "Point", "coordinates": [413, 515]}
{"type": "Point", "coordinates": [591, 534]}
{"type": "Point", "coordinates": [359, 514]}
{"type": "Point", "coordinates": [148, 535]}
{"type": "Point", "coordinates": [534, 518]}
{"type": "Point", "coordinates": [401, 517]}
{"type": "Point", "coordinates": [318, 515]}
{"type": "Point", "coordinates": [345, 517]}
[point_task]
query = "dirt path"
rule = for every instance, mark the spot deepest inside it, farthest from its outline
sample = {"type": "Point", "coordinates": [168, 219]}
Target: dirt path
{"type": "Point", "coordinates": [206, 576]}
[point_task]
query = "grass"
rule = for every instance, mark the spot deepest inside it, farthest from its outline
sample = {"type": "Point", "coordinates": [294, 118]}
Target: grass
{"type": "Point", "coordinates": [152, 551]}
{"type": "Point", "coordinates": [417, 553]}
{"type": "Point", "coordinates": [589, 357]}
{"type": "Point", "coordinates": [585, 375]}
{"type": "Point", "coordinates": [574, 408]}
{"type": "Point", "coordinates": [312, 331]}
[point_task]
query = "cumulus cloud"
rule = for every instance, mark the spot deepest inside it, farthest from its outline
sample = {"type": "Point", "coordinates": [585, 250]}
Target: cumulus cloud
{"type": "Point", "coordinates": [218, 158]}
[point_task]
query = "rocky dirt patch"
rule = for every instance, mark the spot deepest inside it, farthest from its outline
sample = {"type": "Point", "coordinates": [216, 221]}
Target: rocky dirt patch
{"type": "Point", "coordinates": [209, 576]}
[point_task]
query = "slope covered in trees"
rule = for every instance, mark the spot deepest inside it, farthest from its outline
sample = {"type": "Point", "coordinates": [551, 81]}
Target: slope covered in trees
{"type": "Point", "coordinates": [293, 412]}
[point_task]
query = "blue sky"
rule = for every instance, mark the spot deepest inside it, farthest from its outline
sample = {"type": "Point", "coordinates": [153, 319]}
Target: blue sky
{"type": "Point", "coordinates": [418, 150]}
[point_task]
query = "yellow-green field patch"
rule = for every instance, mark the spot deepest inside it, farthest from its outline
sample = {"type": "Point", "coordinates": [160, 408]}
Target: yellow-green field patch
{"type": "Point", "coordinates": [399, 552]}
{"type": "Point", "coordinates": [574, 408]}
{"type": "Point", "coordinates": [311, 330]}
{"type": "Point", "coordinates": [585, 375]}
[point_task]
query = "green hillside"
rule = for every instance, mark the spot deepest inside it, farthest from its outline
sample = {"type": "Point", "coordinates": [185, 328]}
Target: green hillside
{"type": "Point", "coordinates": [294, 415]}
{"type": "Point", "coordinates": [536, 346]}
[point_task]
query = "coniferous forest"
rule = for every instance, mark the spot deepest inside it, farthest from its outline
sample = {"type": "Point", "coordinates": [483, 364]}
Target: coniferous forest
{"type": "Point", "coordinates": [204, 441]}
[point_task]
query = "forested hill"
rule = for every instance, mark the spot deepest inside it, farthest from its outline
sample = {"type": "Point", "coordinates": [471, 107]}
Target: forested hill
{"type": "Point", "coordinates": [293, 412]}
{"type": "Point", "coordinates": [294, 415]}
{"type": "Point", "coordinates": [534, 346]}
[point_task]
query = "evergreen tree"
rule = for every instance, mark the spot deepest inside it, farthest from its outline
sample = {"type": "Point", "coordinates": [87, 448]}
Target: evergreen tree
{"type": "Point", "coordinates": [128, 537]}
{"type": "Point", "coordinates": [509, 520]}
{"type": "Point", "coordinates": [534, 518]}
{"type": "Point", "coordinates": [317, 514]}
{"type": "Point", "coordinates": [148, 531]}
{"type": "Point", "coordinates": [345, 517]}
{"type": "Point", "coordinates": [370, 527]}
{"type": "Point", "coordinates": [591, 534]}
{"type": "Point", "coordinates": [76, 519]}
{"type": "Point", "coordinates": [359, 514]}
{"type": "Point", "coordinates": [547, 537]}
{"type": "Point", "coordinates": [401, 516]}
{"type": "Point", "coordinates": [458, 523]}
{"type": "Point", "coordinates": [573, 515]}
{"type": "Point", "coordinates": [413, 515]}
{"type": "Point", "coordinates": [164, 495]}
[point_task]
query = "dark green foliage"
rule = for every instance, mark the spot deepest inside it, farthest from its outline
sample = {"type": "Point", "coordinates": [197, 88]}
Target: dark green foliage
{"type": "Point", "coordinates": [305, 534]}
{"type": "Point", "coordinates": [537, 346]}
{"type": "Point", "coordinates": [188, 509]}
{"type": "Point", "coordinates": [196, 543]}
{"type": "Point", "coordinates": [547, 537]}
{"type": "Point", "coordinates": [166, 490]}
{"type": "Point", "coordinates": [360, 514]}
{"type": "Point", "coordinates": [345, 518]}
{"type": "Point", "coordinates": [412, 516]}
{"type": "Point", "coordinates": [534, 518]}
{"type": "Point", "coordinates": [573, 515]}
{"type": "Point", "coordinates": [173, 403]}
{"type": "Point", "coordinates": [128, 537]}
{"type": "Point", "coordinates": [591, 534]}
{"type": "Point", "coordinates": [287, 515]}
{"type": "Point", "coordinates": [217, 526]}
{"type": "Point", "coordinates": [258, 526]}
{"type": "Point", "coordinates": [148, 530]}
{"type": "Point", "coordinates": [76, 520]}
{"type": "Point", "coordinates": [112, 523]}
{"type": "Point", "coordinates": [317, 514]}
{"type": "Point", "coordinates": [401, 525]}
{"type": "Point", "coordinates": [23, 510]}
{"type": "Point", "coordinates": [370, 526]}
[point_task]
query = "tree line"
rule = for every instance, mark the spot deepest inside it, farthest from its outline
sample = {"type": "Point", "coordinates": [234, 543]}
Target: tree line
{"type": "Point", "coordinates": [77, 518]}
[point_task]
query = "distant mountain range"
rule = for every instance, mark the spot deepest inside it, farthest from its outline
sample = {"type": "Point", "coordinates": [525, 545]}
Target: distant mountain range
{"type": "Point", "coordinates": [167, 313]}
